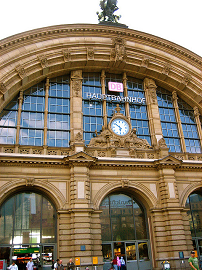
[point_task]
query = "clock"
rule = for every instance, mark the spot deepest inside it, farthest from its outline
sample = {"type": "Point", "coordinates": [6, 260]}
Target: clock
{"type": "Point", "coordinates": [120, 126]}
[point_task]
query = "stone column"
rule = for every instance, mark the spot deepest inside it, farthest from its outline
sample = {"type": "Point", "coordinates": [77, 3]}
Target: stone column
{"type": "Point", "coordinates": [76, 115]}
{"type": "Point", "coordinates": [179, 124]}
{"type": "Point", "coordinates": [153, 111]}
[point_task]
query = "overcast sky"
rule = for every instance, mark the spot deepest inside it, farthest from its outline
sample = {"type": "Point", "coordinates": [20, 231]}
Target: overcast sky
{"type": "Point", "coordinates": [179, 21]}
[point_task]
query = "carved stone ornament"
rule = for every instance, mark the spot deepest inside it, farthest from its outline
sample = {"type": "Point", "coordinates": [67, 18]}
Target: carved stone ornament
{"type": "Point", "coordinates": [90, 53]}
{"type": "Point", "coordinates": [186, 79]}
{"type": "Point", "coordinates": [162, 143]}
{"type": "Point", "coordinates": [79, 137]}
{"type": "Point", "coordinates": [2, 87]}
{"type": "Point", "coordinates": [196, 112]}
{"type": "Point", "coordinates": [174, 95]}
{"type": "Point", "coordinates": [119, 49]}
{"type": "Point", "coordinates": [43, 61]}
{"type": "Point", "coordinates": [124, 183]}
{"type": "Point", "coordinates": [145, 62]}
{"type": "Point", "coordinates": [166, 69]}
{"type": "Point", "coordinates": [150, 86]}
{"type": "Point", "coordinates": [76, 87]}
{"type": "Point", "coordinates": [108, 139]}
{"type": "Point", "coordinates": [21, 71]}
{"type": "Point", "coordinates": [75, 74]}
{"type": "Point", "coordinates": [66, 55]}
{"type": "Point", "coordinates": [30, 181]}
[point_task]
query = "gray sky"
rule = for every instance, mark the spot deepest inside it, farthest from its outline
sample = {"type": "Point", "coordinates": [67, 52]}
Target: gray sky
{"type": "Point", "coordinates": [178, 21]}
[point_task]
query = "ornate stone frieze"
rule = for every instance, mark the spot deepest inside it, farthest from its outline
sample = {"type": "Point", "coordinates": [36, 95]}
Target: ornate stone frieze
{"type": "Point", "coordinates": [76, 86]}
{"type": "Point", "coordinates": [21, 71]}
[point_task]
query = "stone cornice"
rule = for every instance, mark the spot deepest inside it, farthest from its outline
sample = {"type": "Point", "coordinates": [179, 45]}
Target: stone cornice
{"type": "Point", "coordinates": [82, 159]}
{"type": "Point", "coordinates": [57, 31]}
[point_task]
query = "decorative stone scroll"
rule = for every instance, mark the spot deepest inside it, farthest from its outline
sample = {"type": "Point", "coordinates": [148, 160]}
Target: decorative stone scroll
{"type": "Point", "coordinates": [90, 53]}
{"type": "Point", "coordinates": [30, 181]}
{"type": "Point", "coordinates": [79, 137]}
{"type": "Point", "coordinates": [145, 62]}
{"type": "Point", "coordinates": [66, 55]}
{"type": "Point", "coordinates": [166, 69]}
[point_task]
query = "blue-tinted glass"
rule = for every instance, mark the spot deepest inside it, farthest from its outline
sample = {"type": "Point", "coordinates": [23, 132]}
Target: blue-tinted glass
{"type": "Point", "coordinates": [92, 107]}
{"type": "Point", "coordinates": [168, 120]}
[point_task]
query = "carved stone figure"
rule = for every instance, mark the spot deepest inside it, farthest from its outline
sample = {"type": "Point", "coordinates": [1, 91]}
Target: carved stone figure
{"type": "Point", "coordinates": [108, 8]}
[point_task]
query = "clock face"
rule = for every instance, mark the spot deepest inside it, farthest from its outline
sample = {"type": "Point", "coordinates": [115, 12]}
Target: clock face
{"type": "Point", "coordinates": [120, 126]}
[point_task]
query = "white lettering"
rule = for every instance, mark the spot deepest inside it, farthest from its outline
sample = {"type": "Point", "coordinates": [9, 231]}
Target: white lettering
{"type": "Point", "coordinates": [88, 95]}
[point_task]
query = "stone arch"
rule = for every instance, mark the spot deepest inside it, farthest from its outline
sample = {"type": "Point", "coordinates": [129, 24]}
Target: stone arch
{"type": "Point", "coordinates": [30, 57]}
{"type": "Point", "coordinates": [32, 184]}
{"type": "Point", "coordinates": [187, 191]}
{"type": "Point", "coordinates": [145, 195]}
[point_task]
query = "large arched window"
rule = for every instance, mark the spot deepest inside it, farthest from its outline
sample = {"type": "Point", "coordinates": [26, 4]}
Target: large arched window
{"type": "Point", "coordinates": [27, 218]}
{"type": "Point", "coordinates": [122, 219]}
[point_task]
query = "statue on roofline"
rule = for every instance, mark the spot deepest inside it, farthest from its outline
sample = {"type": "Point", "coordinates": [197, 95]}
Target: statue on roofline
{"type": "Point", "coordinates": [108, 8]}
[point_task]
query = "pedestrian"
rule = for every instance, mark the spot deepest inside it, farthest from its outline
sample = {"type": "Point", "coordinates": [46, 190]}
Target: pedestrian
{"type": "Point", "coordinates": [56, 264]}
{"type": "Point", "coordinates": [114, 262]}
{"type": "Point", "coordinates": [70, 265]}
{"type": "Point", "coordinates": [30, 265]}
{"type": "Point", "coordinates": [61, 266]}
{"type": "Point", "coordinates": [123, 264]}
{"type": "Point", "coordinates": [13, 266]}
{"type": "Point", "coordinates": [193, 261]}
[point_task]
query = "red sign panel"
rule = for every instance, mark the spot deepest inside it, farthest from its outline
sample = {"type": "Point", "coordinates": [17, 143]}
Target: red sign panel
{"type": "Point", "coordinates": [1, 265]}
{"type": "Point", "coordinates": [116, 87]}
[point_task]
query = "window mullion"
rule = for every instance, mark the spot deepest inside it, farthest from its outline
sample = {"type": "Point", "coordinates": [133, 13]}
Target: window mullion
{"type": "Point", "coordinates": [46, 112]}
{"type": "Point", "coordinates": [178, 120]}
{"type": "Point", "coordinates": [19, 117]}
{"type": "Point", "coordinates": [103, 76]}
{"type": "Point", "coordinates": [199, 129]}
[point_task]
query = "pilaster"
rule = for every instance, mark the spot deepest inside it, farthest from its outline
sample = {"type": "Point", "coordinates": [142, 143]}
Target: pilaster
{"type": "Point", "coordinates": [153, 111]}
{"type": "Point", "coordinates": [76, 116]}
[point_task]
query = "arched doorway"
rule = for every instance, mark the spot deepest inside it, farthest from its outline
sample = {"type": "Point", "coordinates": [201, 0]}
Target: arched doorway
{"type": "Point", "coordinates": [194, 211]}
{"type": "Point", "coordinates": [28, 229]}
{"type": "Point", "coordinates": [124, 231]}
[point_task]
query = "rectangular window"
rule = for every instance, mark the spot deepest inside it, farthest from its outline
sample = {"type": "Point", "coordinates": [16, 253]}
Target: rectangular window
{"type": "Point", "coordinates": [92, 109]}
{"type": "Point", "coordinates": [168, 120]}
{"type": "Point", "coordinates": [138, 112]}
{"type": "Point", "coordinates": [59, 112]}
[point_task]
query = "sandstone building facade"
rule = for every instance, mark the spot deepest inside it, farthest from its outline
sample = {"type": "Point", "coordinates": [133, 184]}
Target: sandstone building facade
{"type": "Point", "coordinates": [101, 147]}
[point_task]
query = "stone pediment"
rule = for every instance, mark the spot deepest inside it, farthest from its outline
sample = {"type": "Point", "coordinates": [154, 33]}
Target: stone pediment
{"type": "Point", "coordinates": [81, 158]}
{"type": "Point", "coordinates": [169, 160]}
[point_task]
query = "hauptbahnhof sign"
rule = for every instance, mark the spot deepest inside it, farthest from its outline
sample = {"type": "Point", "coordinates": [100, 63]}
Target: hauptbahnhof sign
{"type": "Point", "coordinates": [115, 87]}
